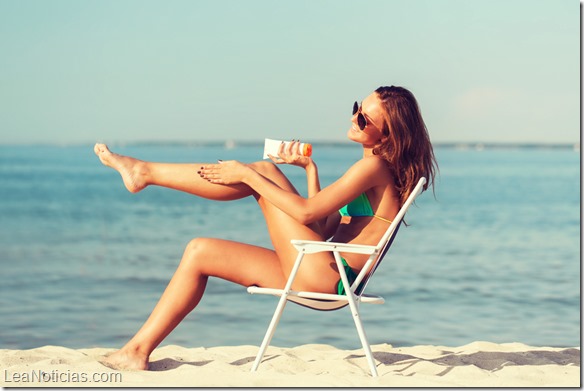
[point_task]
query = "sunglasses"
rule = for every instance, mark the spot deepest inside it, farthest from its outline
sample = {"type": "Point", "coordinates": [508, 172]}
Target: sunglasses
{"type": "Point", "coordinates": [361, 120]}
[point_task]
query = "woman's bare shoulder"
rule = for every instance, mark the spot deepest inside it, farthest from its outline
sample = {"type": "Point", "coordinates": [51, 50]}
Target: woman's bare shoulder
{"type": "Point", "coordinates": [374, 168]}
{"type": "Point", "coordinates": [373, 163]}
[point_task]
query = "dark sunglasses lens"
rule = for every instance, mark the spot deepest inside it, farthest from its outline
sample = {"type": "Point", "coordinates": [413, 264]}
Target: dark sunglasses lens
{"type": "Point", "coordinates": [355, 107]}
{"type": "Point", "coordinates": [361, 121]}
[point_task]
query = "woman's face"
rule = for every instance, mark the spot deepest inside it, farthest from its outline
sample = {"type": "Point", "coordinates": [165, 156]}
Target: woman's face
{"type": "Point", "coordinates": [372, 110]}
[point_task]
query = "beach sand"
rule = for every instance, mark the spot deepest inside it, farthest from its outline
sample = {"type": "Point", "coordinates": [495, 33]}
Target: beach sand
{"type": "Point", "coordinates": [479, 364]}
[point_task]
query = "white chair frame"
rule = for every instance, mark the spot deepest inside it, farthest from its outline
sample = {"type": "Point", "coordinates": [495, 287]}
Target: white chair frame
{"type": "Point", "coordinates": [327, 301]}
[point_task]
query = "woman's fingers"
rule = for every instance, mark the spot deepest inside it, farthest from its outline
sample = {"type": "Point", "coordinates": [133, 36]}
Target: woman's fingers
{"type": "Point", "coordinates": [295, 147]}
{"type": "Point", "coordinates": [289, 152]}
{"type": "Point", "coordinates": [281, 150]}
{"type": "Point", "coordinates": [211, 172]}
{"type": "Point", "coordinates": [228, 172]}
{"type": "Point", "coordinates": [289, 147]}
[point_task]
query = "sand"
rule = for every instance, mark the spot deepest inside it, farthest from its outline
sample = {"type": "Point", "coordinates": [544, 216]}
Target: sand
{"type": "Point", "coordinates": [479, 364]}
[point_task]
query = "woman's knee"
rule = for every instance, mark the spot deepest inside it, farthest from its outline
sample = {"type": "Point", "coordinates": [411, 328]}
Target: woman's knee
{"type": "Point", "coordinates": [266, 168]}
{"type": "Point", "coordinates": [272, 172]}
{"type": "Point", "coordinates": [196, 251]}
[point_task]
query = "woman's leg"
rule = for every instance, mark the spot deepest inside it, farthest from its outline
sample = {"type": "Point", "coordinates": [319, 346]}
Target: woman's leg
{"type": "Point", "coordinates": [138, 174]}
{"type": "Point", "coordinates": [237, 262]}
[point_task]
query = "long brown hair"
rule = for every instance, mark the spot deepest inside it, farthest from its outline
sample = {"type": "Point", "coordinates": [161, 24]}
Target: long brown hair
{"type": "Point", "coordinates": [407, 147]}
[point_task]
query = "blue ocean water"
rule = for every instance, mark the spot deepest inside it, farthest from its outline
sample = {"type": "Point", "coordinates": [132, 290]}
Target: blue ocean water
{"type": "Point", "coordinates": [495, 256]}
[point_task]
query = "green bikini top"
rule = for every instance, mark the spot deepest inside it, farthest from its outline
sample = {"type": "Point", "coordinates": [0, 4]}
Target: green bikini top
{"type": "Point", "coordinates": [360, 206]}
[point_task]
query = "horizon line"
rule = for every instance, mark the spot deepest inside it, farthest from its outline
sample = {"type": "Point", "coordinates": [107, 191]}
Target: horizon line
{"type": "Point", "coordinates": [233, 143]}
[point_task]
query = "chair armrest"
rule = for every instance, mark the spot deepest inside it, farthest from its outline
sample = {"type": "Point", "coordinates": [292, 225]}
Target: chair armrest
{"type": "Point", "coordinates": [310, 246]}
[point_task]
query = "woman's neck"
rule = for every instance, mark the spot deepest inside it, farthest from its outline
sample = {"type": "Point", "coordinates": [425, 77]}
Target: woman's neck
{"type": "Point", "coordinates": [367, 151]}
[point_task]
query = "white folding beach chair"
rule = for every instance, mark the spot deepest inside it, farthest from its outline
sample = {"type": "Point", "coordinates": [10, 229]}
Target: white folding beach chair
{"type": "Point", "coordinates": [327, 301]}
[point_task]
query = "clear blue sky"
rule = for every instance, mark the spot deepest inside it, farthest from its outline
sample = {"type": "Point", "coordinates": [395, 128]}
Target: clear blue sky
{"type": "Point", "coordinates": [119, 70]}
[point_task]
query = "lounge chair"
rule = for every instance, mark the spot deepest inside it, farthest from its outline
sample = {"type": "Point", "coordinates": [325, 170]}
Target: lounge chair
{"type": "Point", "coordinates": [327, 301]}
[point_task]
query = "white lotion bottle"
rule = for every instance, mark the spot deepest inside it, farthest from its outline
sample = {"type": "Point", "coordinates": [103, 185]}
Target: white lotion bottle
{"type": "Point", "coordinates": [272, 147]}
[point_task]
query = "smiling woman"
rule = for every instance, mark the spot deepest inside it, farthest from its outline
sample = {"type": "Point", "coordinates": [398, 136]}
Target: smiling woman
{"type": "Point", "coordinates": [396, 153]}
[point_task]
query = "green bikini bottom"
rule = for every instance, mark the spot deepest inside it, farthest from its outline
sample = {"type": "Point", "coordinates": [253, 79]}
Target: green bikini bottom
{"type": "Point", "coordinates": [351, 276]}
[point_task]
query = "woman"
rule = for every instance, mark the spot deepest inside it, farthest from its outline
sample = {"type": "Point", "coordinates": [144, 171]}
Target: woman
{"type": "Point", "coordinates": [396, 153]}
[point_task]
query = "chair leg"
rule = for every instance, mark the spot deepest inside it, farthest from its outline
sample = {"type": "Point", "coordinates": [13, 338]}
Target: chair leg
{"type": "Point", "coordinates": [363, 338]}
{"type": "Point", "coordinates": [355, 312]}
{"type": "Point", "coordinates": [270, 332]}
{"type": "Point", "coordinates": [278, 313]}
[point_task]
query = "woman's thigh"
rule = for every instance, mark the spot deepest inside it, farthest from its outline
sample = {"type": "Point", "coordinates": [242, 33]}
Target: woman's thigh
{"type": "Point", "coordinates": [318, 271]}
{"type": "Point", "coordinates": [248, 265]}
{"type": "Point", "coordinates": [241, 263]}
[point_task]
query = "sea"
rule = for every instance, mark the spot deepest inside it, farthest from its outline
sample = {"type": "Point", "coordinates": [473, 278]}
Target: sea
{"type": "Point", "coordinates": [493, 254]}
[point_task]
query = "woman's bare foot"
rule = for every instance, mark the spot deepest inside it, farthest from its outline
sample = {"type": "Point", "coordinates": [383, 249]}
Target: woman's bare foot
{"type": "Point", "coordinates": [132, 170]}
{"type": "Point", "coordinates": [122, 360]}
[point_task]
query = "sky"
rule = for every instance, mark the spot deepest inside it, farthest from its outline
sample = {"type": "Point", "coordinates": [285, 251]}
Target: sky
{"type": "Point", "coordinates": [501, 71]}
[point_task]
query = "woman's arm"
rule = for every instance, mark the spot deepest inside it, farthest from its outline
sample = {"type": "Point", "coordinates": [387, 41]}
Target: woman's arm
{"type": "Point", "coordinates": [329, 224]}
{"type": "Point", "coordinates": [363, 175]}
{"type": "Point", "coordinates": [312, 179]}
{"type": "Point", "coordinates": [313, 183]}
{"type": "Point", "coordinates": [291, 154]}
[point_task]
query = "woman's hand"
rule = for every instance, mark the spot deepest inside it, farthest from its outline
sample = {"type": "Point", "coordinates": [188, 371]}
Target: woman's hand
{"type": "Point", "coordinates": [225, 173]}
{"type": "Point", "coordinates": [290, 154]}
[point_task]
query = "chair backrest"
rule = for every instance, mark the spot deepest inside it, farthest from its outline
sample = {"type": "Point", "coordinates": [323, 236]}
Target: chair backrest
{"type": "Point", "coordinates": [387, 238]}
{"type": "Point", "coordinates": [383, 246]}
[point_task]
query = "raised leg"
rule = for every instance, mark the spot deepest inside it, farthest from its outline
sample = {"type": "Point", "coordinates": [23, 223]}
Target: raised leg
{"type": "Point", "coordinates": [138, 174]}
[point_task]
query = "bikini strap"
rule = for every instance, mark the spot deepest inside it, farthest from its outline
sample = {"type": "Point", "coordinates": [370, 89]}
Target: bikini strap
{"type": "Point", "coordinates": [383, 219]}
